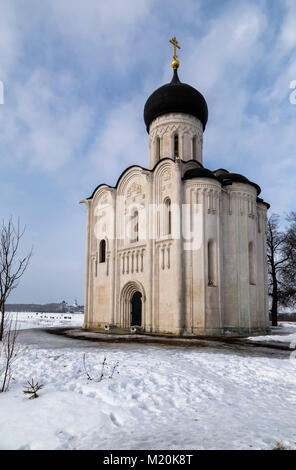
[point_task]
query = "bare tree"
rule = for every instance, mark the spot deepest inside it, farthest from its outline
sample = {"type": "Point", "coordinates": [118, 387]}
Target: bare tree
{"type": "Point", "coordinates": [12, 266]}
{"type": "Point", "coordinates": [288, 275]}
{"type": "Point", "coordinates": [8, 352]}
{"type": "Point", "coordinates": [279, 260]}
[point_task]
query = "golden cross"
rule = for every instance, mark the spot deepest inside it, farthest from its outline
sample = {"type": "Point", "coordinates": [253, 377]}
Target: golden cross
{"type": "Point", "coordinates": [175, 44]}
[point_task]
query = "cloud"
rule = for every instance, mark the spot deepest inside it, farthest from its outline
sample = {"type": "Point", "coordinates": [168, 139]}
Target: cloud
{"type": "Point", "coordinates": [42, 127]}
{"type": "Point", "coordinates": [10, 46]}
{"type": "Point", "coordinates": [288, 27]}
{"type": "Point", "coordinates": [50, 116]}
{"type": "Point", "coordinates": [104, 32]}
{"type": "Point", "coordinates": [77, 74]}
{"type": "Point", "coordinates": [121, 142]}
{"type": "Point", "coordinates": [228, 49]}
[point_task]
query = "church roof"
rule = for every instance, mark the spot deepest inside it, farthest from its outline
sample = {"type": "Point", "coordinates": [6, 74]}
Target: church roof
{"type": "Point", "coordinates": [261, 201]}
{"type": "Point", "coordinates": [227, 178]}
{"type": "Point", "coordinates": [199, 173]}
{"type": "Point", "coordinates": [221, 175]}
{"type": "Point", "coordinates": [142, 168]}
{"type": "Point", "coordinates": [175, 97]}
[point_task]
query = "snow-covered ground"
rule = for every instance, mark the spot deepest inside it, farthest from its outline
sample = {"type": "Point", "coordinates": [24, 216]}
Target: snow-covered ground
{"type": "Point", "coordinates": [164, 397]}
{"type": "Point", "coordinates": [284, 333]}
{"type": "Point", "coordinates": [44, 320]}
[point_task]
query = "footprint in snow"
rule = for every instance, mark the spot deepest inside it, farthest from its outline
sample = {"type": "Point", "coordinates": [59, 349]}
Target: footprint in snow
{"type": "Point", "coordinates": [114, 420]}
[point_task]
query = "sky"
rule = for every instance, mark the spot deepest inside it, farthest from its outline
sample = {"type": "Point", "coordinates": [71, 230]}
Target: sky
{"type": "Point", "coordinates": [76, 75]}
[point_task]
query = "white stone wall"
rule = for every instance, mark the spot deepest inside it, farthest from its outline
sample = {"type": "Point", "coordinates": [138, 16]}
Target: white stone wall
{"type": "Point", "coordinates": [167, 278]}
{"type": "Point", "coordinates": [151, 265]}
{"type": "Point", "coordinates": [244, 300]}
{"type": "Point", "coordinates": [100, 276]}
{"type": "Point", "coordinates": [229, 217]}
{"type": "Point", "coordinates": [132, 265]}
{"type": "Point", "coordinates": [203, 299]}
{"type": "Point", "coordinates": [161, 137]}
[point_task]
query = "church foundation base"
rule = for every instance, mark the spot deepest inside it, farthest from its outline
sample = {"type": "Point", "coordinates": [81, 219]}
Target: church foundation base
{"type": "Point", "coordinates": [177, 332]}
{"type": "Point", "coordinates": [230, 331]}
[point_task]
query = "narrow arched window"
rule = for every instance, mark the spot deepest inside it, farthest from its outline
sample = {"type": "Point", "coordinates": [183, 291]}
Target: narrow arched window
{"type": "Point", "coordinates": [135, 226]}
{"type": "Point", "coordinates": [158, 148]}
{"type": "Point", "coordinates": [176, 145]}
{"type": "Point", "coordinates": [252, 263]}
{"type": "Point", "coordinates": [102, 251]}
{"type": "Point", "coordinates": [193, 150]}
{"type": "Point", "coordinates": [211, 263]}
{"type": "Point", "coordinates": [167, 217]}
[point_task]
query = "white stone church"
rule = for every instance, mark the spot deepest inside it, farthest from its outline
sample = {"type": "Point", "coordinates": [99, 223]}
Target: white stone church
{"type": "Point", "coordinates": [177, 248]}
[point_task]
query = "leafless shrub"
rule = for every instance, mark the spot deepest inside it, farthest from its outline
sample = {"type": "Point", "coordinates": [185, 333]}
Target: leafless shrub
{"type": "Point", "coordinates": [280, 446]}
{"type": "Point", "coordinates": [89, 377]}
{"type": "Point", "coordinates": [104, 370]}
{"type": "Point", "coordinates": [32, 389]}
{"type": "Point", "coordinates": [115, 366]}
{"type": "Point", "coordinates": [9, 350]}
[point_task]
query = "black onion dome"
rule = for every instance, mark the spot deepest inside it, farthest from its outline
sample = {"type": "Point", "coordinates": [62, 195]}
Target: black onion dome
{"type": "Point", "coordinates": [199, 173]}
{"type": "Point", "coordinates": [175, 97]}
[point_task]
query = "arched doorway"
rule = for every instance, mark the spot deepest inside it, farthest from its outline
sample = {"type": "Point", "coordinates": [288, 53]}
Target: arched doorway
{"type": "Point", "coordinates": [132, 305]}
{"type": "Point", "coordinates": [136, 309]}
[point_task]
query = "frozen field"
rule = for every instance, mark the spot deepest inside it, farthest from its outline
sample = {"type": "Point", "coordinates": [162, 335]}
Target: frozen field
{"type": "Point", "coordinates": [164, 397]}
{"type": "Point", "coordinates": [44, 320]}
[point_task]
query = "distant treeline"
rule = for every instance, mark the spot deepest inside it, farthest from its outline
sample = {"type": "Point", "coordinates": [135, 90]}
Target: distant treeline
{"type": "Point", "coordinates": [287, 317]}
{"type": "Point", "coordinates": [50, 308]}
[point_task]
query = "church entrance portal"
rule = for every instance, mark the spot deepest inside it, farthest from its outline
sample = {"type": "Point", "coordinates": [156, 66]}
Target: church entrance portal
{"type": "Point", "coordinates": [136, 309]}
{"type": "Point", "coordinates": [132, 305]}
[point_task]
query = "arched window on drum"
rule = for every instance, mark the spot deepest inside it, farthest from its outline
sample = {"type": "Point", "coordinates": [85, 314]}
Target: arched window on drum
{"type": "Point", "coordinates": [102, 251]}
{"type": "Point", "coordinates": [176, 145]}
{"type": "Point", "coordinates": [252, 277]}
{"type": "Point", "coordinates": [193, 147]}
{"type": "Point", "coordinates": [157, 148]}
{"type": "Point", "coordinates": [212, 281]}
{"type": "Point", "coordinates": [167, 219]}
